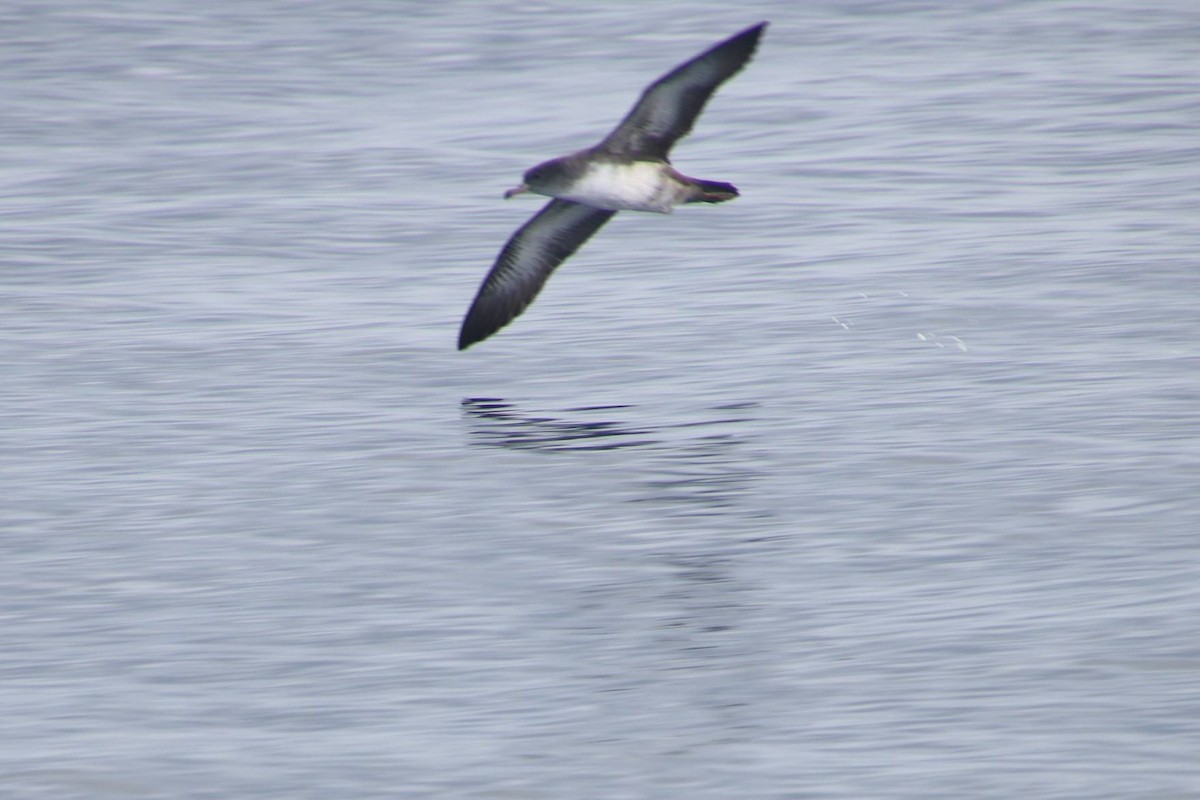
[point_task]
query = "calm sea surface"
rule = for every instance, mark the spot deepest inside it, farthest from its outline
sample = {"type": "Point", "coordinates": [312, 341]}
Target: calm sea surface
{"type": "Point", "coordinates": [880, 482]}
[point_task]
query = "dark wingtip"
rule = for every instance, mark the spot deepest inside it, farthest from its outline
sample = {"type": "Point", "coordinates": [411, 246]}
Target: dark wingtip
{"type": "Point", "coordinates": [746, 38]}
{"type": "Point", "coordinates": [478, 325]}
{"type": "Point", "coordinates": [467, 338]}
{"type": "Point", "coordinates": [754, 31]}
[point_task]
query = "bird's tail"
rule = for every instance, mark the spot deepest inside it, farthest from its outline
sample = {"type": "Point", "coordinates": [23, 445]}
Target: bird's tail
{"type": "Point", "coordinates": [712, 191]}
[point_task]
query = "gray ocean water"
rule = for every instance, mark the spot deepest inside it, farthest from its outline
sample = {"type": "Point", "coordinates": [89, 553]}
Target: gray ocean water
{"type": "Point", "coordinates": [882, 481]}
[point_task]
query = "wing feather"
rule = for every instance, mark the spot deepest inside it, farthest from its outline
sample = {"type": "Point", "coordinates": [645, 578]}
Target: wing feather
{"type": "Point", "coordinates": [669, 107]}
{"type": "Point", "coordinates": [530, 255]}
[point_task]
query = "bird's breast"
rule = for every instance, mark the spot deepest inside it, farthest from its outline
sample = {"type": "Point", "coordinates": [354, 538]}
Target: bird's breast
{"type": "Point", "coordinates": [628, 186]}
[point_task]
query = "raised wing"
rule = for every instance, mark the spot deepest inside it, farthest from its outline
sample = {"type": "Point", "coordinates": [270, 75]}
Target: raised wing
{"type": "Point", "coordinates": [528, 258]}
{"type": "Point", "coordinates": [667, 109]}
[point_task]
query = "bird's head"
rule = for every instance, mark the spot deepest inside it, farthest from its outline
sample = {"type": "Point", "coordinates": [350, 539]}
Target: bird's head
{"type": "Point", "coordinates": [548, 178]}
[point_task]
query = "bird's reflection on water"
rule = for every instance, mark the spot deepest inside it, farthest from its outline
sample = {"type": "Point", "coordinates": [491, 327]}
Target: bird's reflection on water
{"type": "Point", "coordinates": [694, 466]}
{"type": "Point", "coordinates": [502, 424]}
{"type": "Point", "coordinates": [685, 516]}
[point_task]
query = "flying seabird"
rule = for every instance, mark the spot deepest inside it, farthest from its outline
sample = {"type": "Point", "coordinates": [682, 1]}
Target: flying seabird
{"type": "Point", "coordinates": [628, 171]}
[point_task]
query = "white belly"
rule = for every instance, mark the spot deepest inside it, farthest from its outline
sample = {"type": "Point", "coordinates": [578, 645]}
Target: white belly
{"type": "Point", "coordinates": [640, 186]}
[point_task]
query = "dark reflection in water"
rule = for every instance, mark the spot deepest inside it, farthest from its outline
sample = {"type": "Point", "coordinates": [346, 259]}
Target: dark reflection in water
{"type": "Point", "coordinates": [697, 467]}
{"type": "Point", "coordinates": [680, 490]}
{"type": "Point", "coordinates": [502, 424]}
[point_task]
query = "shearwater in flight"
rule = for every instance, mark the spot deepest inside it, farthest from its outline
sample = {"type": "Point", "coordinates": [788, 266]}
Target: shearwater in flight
{"type": "Point", "coordinates": [627, 171]}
